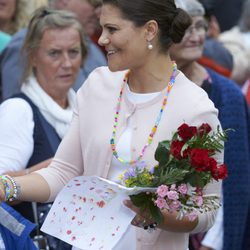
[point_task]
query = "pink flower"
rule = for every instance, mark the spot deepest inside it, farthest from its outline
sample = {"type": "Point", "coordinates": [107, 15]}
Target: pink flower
{"type": "Point", "coordinates": [173, 187]}
{"type": "Point", "coordinates": [183, 188]}
{"type": "Point", "coordinates": [160, 202]}
{"type": "Point", "coordinates": [172, 195]}
{"type": "Point", "coordinates": [162, 191]}
{"type": "Point", "coordinates": [175, 205]}
{"type": "Point", "coordinates": [198, 200]}
{"type": "Point", "coordinates": [192, 216]}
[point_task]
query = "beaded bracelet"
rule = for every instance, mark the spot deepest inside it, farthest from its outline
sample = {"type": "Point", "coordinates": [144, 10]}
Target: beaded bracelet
{"type": "Point", "coordinates": [7, 189]}
{"type": "Point", "coordinates": [16, 189]}
{"type": "Point", "coordinates": [6, 179]}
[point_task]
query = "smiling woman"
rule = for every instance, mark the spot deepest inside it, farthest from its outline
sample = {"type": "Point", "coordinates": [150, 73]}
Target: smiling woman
{"type": "Point", "coordinates": [124, 110]}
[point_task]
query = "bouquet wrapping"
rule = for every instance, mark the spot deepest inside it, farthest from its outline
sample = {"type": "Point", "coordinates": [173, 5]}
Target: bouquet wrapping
{"type": "Point", "coordinates": [186, 164]}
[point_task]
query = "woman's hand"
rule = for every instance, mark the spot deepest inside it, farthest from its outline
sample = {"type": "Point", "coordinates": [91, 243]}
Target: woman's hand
{"type": "Point", "coordinates": [170, 223]}
{"type": "Point", "coordinates": [142, 219]}
{"type": "Point", "coordinates": [2, 192]}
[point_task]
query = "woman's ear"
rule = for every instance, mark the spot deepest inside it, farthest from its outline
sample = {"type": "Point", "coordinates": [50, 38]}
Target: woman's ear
{"type": "Point", "coordinates": [152, 29]}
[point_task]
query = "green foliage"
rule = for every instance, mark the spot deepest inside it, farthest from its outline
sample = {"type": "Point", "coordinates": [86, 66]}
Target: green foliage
{"type": "Point", "coordinates": [145, 202]}
{"type": "Point", "coordinates": [162, 152]}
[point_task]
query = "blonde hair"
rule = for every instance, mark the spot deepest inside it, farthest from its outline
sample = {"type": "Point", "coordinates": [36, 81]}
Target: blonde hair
{"type": "Point", "coordinates": [20, 18]}
{"type": "Point", "coordinates": [43, 19]}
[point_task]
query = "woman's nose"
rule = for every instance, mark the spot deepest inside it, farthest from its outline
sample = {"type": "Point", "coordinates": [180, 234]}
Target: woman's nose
{"type": "Point", "coordinates": [103, 40]}
{"type": "Point", "coordinates": [66, 61]}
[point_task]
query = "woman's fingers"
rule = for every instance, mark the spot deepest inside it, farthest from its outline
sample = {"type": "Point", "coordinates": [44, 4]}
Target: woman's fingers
{"type": "Point", "coordinates": [129, 204]}
{"type": "Point", "coordinates": [2, 193]}
{"type": "Point", "coordinates": [142, 219]}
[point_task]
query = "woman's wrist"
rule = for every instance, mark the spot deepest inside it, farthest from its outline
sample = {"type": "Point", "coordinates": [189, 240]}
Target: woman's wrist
{"type": "Point", "coordinates": [27, 171]}
{"type": "Point", "coordinates": [11, 190]}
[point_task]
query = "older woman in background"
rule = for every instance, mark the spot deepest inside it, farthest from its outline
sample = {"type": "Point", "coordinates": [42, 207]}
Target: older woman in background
{"type": "Point", "coordinates": [231, 224]}
{"type": "Point", "coordinates": [33, 123]}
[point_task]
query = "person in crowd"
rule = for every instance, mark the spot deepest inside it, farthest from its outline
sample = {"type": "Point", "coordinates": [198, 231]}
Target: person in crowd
{"type": "Point", "coordinates": [13, 15]}
{"type": "Point", "coordinates": [237, 41]}
{"type": "Point", "coordinates": [222, 60]}
{"type": "Point", "coordinates": [34, 122]}
{"type": "Point", "coordinates": [35, 4]}
{"type": "Point", "coordinates": [11, 60]}
{"type": "Point", "coordinates": [4, 40]}
{"type": "Point", "coordinates": [213, 30]}
{"type": "Point", "coordinates": [84, 9]}
{"type": "Point", "coordinates": [98, 29]}
{"type": "Point", "coordinates": [137, 36]}
{"type": "Point", "coordinates": [231, 223]}
{"type": "Point", "coordinates": [227, 12]}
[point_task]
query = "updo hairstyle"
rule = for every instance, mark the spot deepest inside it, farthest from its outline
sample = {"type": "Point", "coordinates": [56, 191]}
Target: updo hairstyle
{"type": "Point", "coordinates": [172, 21]}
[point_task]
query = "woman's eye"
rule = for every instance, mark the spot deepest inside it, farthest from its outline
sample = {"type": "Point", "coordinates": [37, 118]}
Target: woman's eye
{"type": "Point", "coordinates": [201, 26]}
{"type": "Point", "coordinates": [74, 52]}
{"type": "Point", "coordinates": [111, 29]}
{"type": "Point", "coordinates": [54, 53]}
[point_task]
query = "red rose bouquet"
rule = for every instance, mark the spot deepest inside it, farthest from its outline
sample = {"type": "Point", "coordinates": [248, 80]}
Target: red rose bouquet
{"type": "Point", "coordinates": [186, 164]}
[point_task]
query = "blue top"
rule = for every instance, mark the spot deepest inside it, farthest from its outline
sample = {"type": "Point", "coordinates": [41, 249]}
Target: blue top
{"type": "Point", "coordinates": [15, 229]}
{"type": "Point", "coordinates": [234, 113]}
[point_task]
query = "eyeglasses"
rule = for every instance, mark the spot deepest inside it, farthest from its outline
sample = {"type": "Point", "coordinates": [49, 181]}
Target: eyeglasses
{"type": "Point", "coordinates": [199, 27]}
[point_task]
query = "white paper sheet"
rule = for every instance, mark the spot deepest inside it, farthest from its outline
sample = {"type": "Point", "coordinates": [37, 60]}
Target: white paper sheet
{"type": "Point", "coordinates": [89, 213]}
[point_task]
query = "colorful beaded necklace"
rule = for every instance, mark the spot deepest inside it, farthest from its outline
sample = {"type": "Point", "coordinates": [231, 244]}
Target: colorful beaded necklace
{"type": "Point", "coordinates": [153, 131]}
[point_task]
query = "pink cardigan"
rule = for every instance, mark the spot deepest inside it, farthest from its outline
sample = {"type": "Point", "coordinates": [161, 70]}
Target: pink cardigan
{"type": "Point", "coordinates": [86, 149]}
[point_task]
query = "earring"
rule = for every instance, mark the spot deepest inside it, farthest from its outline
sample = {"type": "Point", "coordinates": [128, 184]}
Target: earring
{"type": "Point", "coordinates": [150, 45]}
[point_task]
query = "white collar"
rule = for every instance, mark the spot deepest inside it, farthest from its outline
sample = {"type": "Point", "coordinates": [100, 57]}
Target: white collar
{"type": "Point", "coordinates": [58, 117]}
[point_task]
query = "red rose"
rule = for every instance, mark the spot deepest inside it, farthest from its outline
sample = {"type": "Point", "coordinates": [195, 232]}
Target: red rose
{"type": "Point", "coordinates": [212, 164]}
{"type": "Point", "coordinates": [220, 172]}
{"type": "Point", "coordinates": [199, 159]}
{"type": "Point", "coordinates": [175, 149]}
{"type": "Point", "coordinates": [186, 153]}
{"type": "Point", "coordinates": [204, 129]}
{"type": "Point", "coordinates": [186, 132]}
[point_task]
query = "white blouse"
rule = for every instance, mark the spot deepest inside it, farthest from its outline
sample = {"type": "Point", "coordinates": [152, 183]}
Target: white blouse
{"type": "Point", "coordinates": [16, 134]}
{"type": "Point", "coordinates": [128, 241]}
